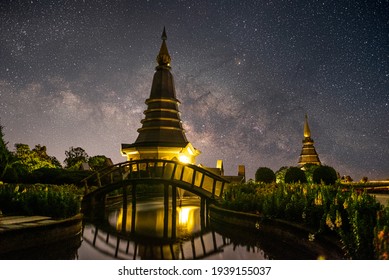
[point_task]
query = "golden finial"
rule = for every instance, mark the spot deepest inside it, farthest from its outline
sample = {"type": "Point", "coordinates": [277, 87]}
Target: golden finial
{"type": "Point", "coordinates": [163, 57]}
{"type": "Point", "coordinates": [307, 131]}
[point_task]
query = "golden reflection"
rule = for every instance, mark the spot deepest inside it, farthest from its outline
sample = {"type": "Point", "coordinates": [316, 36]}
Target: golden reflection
{"type": "Point", "coordinates": [186, 217]}
{"type": "Point", "coordinates": [152, 221]}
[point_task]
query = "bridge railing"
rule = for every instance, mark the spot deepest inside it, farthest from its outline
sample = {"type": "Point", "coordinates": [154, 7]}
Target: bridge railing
{"type": "Point", "coordinates": [168, 170]}
{"type": "Point", "coordinates": [126, 245]}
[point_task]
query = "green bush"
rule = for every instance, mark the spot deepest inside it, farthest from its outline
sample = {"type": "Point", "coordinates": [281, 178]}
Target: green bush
{"type": "Point", "coordinates": [325, 174]}
{"type": "Point", "coordinates": [265, 175]}
{"type": "Point", "coordinates": [308, 169]}
{"type": "Point", "coordinates": [295, 175]}
{"type": "Point", "coordinates": [44, 200]}
{"type": "Point", "coordinates": [57, 176]}
{"type": "Point", "coordinates": [280, 174]}
{"type": "Point", "coordinates": [359, 221]}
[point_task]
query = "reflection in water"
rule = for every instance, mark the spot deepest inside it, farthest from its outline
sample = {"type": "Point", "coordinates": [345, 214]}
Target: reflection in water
{"type": "Point", "coordinates": [60, 250]}
{"type": "Point", "coordinates": [153, 231]}
{"type": "Point", "coordinates": [150, 220]}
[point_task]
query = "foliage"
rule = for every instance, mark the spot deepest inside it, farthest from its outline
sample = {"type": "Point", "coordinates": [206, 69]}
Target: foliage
{"type": "Point", "coordinates": [265, 175]}
{"type": "Point", "coordinates": [325, 174]}
{"type": "Point", "coordinates": [36, 158]}
{"type": "Point", "coordinates": [280, 174]}
{"type": "Point", "coordinates": [10, 166]}
{"type": "Point", "coordinates": [308, 169]}
{"type": "Point", "coordinates": [46, 200]}
{"type": "Point", "coordinates": [381, 235]}
{"type": "Point", "coordinates": [294, 175]}
{"type": "Point", "coordinates": [57, 176]}
{"type": "Point", "coordinates": [98, 162]}
{"type": "Point", "coordinates": [351, 214]}
{"type": "Point", "coordinates": [75, 157]}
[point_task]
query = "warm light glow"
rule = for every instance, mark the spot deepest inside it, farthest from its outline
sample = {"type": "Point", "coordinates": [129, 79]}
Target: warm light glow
{"type": "Point", "coordinates": [190, 151]}
{"type": "Point", "coordinates": [183, 215]}
{"type": "Point", "coordinates": [186, 217]}
{"type": "Point", "coordinates": [183, 159]}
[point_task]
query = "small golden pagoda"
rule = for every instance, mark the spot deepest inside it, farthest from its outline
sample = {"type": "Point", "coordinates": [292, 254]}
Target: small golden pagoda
{"type": "Point", "coordinates": [161, 135]}
{"type": "Point", "coordinates": [308, 153]}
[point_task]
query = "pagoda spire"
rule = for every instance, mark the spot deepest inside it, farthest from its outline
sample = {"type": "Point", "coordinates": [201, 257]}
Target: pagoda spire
{"type": "Point", "coordinates": [308, 153]}
{"type": "Point", "coordinates": [307, 131]}
{"type": "Point", "coordinates": [162, 135]}
{"type": "Point", "coordinates": [163, 58]}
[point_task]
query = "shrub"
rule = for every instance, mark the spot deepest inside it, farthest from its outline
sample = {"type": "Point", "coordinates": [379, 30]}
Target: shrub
{"type": "Point", "coordinates": [45, 200]}
{"type": "Point", "coordinates": [57, 176]}
{"type": "Point", "coordinates": [325, 174]}
{"type": "Point", "coordinates": [359, 221]}
{"type": "Point", "coordinates": [309, 168]}
{"type": "Point", "coordinates": [294, 175]}
{"type": "Point", "coordinates": [280, 174]}
{"type": "Point", "coordinates": [265, 175]}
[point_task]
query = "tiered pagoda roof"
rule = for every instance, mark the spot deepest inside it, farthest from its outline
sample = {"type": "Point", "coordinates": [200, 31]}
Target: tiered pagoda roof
{"type": "Point", "coordinates": [161, 126]}
{"type": "Point", "coordinates": [308, 153]}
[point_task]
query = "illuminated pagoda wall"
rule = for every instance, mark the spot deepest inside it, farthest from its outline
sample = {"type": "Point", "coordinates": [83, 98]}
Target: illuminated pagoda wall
{"type": "Point", "coordinates": [308, 153]}
{"type": "Point", "coordinates": [162, 135]}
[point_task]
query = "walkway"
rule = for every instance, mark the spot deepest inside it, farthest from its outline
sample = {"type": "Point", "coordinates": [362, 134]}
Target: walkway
{"type": "Point", "coordinates": [9, 223]}
{"type": "Point", "coordinates": [24, 232]}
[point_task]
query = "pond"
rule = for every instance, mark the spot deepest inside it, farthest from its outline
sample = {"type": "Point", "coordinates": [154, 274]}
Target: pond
{"type": "Point", "coordinates": [153, 231]}
{"type": "Point", "coordinates": [150, 233]}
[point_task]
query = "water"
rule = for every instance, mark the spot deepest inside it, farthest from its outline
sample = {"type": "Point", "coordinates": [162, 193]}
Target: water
{"type": "Point", "coordinates": [155, 236]}
{"type": "Point", "coordinates": [151, 232]}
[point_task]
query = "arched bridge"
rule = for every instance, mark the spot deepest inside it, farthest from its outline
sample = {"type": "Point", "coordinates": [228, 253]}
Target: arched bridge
{"type": "Point", "coordinates": [189, 177]}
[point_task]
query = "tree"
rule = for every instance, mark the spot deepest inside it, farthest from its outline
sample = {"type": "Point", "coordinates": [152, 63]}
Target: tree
{"type": "Point", "coordinates": [75, 157]}
{"type": "Point", "coordinates": [98, 162]}
{"type": "Point", "coordinates": [325, 174]}
{"type": "Point", "coordinates": [36, 158]}
{"type": "Point", "coordinates": [265, 175]}
{"type": "Point", "coordinates": [364, 179]}
{"type": "Point", "coordinates": [41, 151]}
{"type": "Point", "coordinates": [294, 175]}
{"type": "Point", "coordinates": [10, 167]}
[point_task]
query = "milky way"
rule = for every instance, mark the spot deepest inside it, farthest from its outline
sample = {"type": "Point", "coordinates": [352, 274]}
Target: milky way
{"type": "Point", "coordinates": [77, 73]}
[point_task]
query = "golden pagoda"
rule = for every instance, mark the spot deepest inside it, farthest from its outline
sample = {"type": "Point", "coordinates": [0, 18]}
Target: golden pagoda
{"type": "Point", "coordinates": [308, 153]}
{"type": "Point", "coordinates": [162, 135]}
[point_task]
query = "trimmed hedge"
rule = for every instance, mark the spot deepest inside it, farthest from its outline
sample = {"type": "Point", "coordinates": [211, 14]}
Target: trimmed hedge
{"type": "Point", "coordinates": [295, 175]}
{"type": "Point", "coordinates": [325, 174]}
{"type": "Point", "coordinates": [265, 175]}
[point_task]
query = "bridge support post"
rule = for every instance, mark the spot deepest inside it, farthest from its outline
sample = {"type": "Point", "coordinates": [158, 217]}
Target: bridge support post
{"type": "Point", "coordinates": [133, 204]}
{"type": "Point", "coordinates": [165, 210]}
{"type": "Point", "coordinates": [174, 211]}
{"type": "Point", "coordinates": [125, 206]}
{"type": "Point", "coordinates": [202, 212]}
{"type": "Point", "coordinates": [207, 221]}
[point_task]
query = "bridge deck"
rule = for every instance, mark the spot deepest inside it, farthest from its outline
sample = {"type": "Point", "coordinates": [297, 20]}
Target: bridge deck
{"type": "Point", "coordinates": [146, 171]}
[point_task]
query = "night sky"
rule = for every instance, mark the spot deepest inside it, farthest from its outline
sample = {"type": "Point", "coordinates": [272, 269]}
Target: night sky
{"type": "Point", "coordinates": [77, 73]}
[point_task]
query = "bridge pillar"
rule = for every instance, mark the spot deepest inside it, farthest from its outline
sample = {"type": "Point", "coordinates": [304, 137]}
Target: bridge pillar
{"type": "Point", "coordinates": [133, 205]}
{"type": "Point", "coordinates": [124, 217]}
{"type": "Point", "coordinates": [202, 212]}
{"type": "Point", "coordinates": [165, 210]}
{"type": "Point", "coordinates": [174, 211]}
